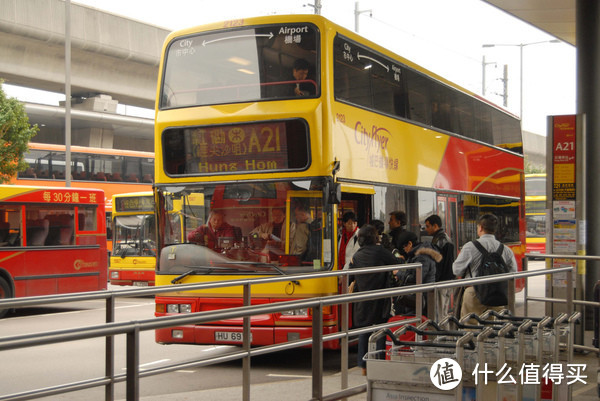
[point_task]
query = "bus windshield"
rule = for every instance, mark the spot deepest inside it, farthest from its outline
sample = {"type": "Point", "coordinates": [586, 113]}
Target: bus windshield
{"type": "Point", "coordinates": [249, 64]}
{"type": "Point", "coordinates": [258, 227]}
{"type": "Point", "coordinates": [134, 236]}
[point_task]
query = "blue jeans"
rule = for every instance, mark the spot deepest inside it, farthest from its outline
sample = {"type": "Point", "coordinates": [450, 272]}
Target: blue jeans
{"type": "Point", "coordinates": [363, 348]}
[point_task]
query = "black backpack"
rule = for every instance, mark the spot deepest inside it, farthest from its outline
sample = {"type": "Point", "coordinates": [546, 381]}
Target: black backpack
{"type": "Point", "coordinates": [491, 294]}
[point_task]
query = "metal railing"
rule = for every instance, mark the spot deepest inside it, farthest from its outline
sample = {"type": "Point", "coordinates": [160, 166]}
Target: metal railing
{"type": "Point", "coordinates": [569, 289]}
{"type": "Point", "coordinates": [132, 329]}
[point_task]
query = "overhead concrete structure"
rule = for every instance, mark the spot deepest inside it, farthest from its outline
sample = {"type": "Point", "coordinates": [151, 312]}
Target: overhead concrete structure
{"type": "Point", "coordinates": [557, 17]}
{"type": "Point", "coordinates": [110, 54]}
{"type": "Point", "coordinates": [113, 60]}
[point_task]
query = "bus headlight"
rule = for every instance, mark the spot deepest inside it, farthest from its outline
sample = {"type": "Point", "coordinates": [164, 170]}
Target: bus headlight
{"type": "Point", "coordinates": [173, 308]}
{"type": "Point", "coordinates": [295, 312]}
{"type": "Point", "coordinates": [114, 275]}
{"type": "Point", "coordinates": [179, 308]}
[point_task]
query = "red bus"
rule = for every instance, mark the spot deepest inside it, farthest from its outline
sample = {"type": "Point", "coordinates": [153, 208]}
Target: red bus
{"type": "Point", "coordinates": [114, 171]}
{"type": "Point", "coordinates": [52, 241]}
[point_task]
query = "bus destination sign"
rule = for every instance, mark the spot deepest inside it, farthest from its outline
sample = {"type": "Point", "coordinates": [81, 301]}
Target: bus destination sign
{"type": "Point", "coordinates": [52, 196]}
{"type": "Point", "coordinates": [236, 148]}
{"type": "Point", "coordinates": [134, 204]}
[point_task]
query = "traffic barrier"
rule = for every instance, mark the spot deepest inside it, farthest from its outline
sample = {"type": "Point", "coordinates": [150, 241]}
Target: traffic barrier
{"type": "Point", "coordinates": [132, 329]}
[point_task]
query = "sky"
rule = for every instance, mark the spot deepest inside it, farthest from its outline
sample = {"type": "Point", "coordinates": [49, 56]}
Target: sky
{"type": "Point", "coordinates": [444, 36]}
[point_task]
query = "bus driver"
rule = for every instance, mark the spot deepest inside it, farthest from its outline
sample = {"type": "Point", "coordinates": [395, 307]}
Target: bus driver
{"type": "Point", "coordinates": [209, 234]}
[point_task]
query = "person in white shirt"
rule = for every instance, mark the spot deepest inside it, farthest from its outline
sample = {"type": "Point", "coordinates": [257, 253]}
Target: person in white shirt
{"type": "Point", "coordinates": [469, 259]}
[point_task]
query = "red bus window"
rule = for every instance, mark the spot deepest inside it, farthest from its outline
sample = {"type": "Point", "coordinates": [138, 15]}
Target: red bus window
{"type": "Point", "coordinates": [10, 226]}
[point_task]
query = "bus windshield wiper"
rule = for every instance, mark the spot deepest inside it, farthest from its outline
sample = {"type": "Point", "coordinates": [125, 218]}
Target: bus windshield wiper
{"type": "Point", "coordinates": [220, 269]}
{"type": "Point", "coordinates": [205, 270]}
{"type": "Point", "coordinates": [261, 264]}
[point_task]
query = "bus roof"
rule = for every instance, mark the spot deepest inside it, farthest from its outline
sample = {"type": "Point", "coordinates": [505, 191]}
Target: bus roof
{"type": "Point", "coordinates": [87, 149]}
{"type": "Point", "coordinates": [133, 194]}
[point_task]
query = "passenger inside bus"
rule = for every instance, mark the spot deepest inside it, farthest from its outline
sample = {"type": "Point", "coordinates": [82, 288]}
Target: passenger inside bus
{"type": "Point", "coordinates": [217, 234]}
{"type": "Point", "coordinates": [29, 173]}
{"type": "Point", "coordinates": [43, 174]}
{"type": "Point", "coordinates": [272, 232]}
{"type": "Point", "coordinates": [299, 231]}
{"type": "Point", "coordinates": [300, 73]}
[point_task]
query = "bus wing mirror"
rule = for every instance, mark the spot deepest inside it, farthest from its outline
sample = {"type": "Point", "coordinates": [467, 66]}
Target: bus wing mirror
{"type": "Point", "coordinates": [332, 193]}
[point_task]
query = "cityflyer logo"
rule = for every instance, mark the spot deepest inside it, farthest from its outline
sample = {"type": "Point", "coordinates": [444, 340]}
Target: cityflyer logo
{"type": "Point", "coordinates": [82, 264]}
{"type": "Point", "coordinates": [445, 374]}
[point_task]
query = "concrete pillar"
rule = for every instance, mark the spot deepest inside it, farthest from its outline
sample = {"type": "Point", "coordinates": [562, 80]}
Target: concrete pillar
{"type": "Point", "coordinates": [588, 103]}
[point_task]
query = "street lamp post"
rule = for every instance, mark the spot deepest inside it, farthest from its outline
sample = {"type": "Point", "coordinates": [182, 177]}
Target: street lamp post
{"type": "Point", "coordinates": [521, 46]}
{"type": "Point", "coordinates": [357, 13]}
{"type": "Point", "coordinates": [316, 6]}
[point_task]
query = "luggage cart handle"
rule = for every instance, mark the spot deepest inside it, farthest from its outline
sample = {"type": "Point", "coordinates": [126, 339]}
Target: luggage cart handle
{"type": "Point", "coordinates": [480, 320]}
{"type": "Point", "coordinates": [561, 319]}
{"type": "Point", "coordinates": [396, 341]}
{"type": "Point", "coordinates": [461, 325]}
{"type": "Point", "coordinates": [547, 320]}
{"type": "Point", "coordinates": [419, 331]}
{"type": "Point", "coordinates": [429, 322]}
{"type": "Point", "coordinates": [575, 317]}
{"type": "Point", "coordinates": [470, 345]}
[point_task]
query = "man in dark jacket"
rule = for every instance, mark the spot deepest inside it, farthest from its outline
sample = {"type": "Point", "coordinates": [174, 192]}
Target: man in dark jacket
{"type": "Point", "coordinates": [416, 252]}
{"type": "Point", "coordinates": [442, 242]}
{"type": "Point", "coordinates": [367, 313]}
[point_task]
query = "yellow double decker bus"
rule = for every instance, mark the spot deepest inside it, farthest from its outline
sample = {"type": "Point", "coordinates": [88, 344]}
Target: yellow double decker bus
{"type": "Point", "coordinates": [535, 211]}
{"type": "Point", "coordinates": [133, 259]}
{"type": "Point", "coordinates": [269, 129]}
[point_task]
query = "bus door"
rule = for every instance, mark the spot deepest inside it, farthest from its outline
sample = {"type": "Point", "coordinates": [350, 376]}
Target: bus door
{"type": "Point", "coordinates": [358, 199]}
{"type": "Point", "coordinates": [447, 210]}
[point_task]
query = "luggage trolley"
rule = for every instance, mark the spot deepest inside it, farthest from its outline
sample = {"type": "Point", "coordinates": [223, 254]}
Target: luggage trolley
{"type": "Point", "coordinates": [507, 344]}
{"type": "Point", "coordinates": [541, 343]}
{"type": "Point", "coordinates": [547, 345]}
{"type": "Point", "coordinates": [407, 371]}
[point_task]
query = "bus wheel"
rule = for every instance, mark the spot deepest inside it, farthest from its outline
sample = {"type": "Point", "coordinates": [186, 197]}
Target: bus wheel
{"type": "Point", "coordinates": [4, 293]}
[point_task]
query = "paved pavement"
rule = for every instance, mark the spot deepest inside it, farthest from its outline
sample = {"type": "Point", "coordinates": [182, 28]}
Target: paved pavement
{"type": "Point", "coordinates": [298, 389]}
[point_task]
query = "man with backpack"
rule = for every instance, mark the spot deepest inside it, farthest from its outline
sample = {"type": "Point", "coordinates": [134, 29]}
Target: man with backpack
{"type": "Point", "coordinates": [491, 258]}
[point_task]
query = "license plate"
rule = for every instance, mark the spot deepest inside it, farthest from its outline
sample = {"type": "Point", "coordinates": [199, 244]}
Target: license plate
{"type": "Point", "coordinates": [140, 284]}
{"type": "Point", "coordinates": [230, 336]}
